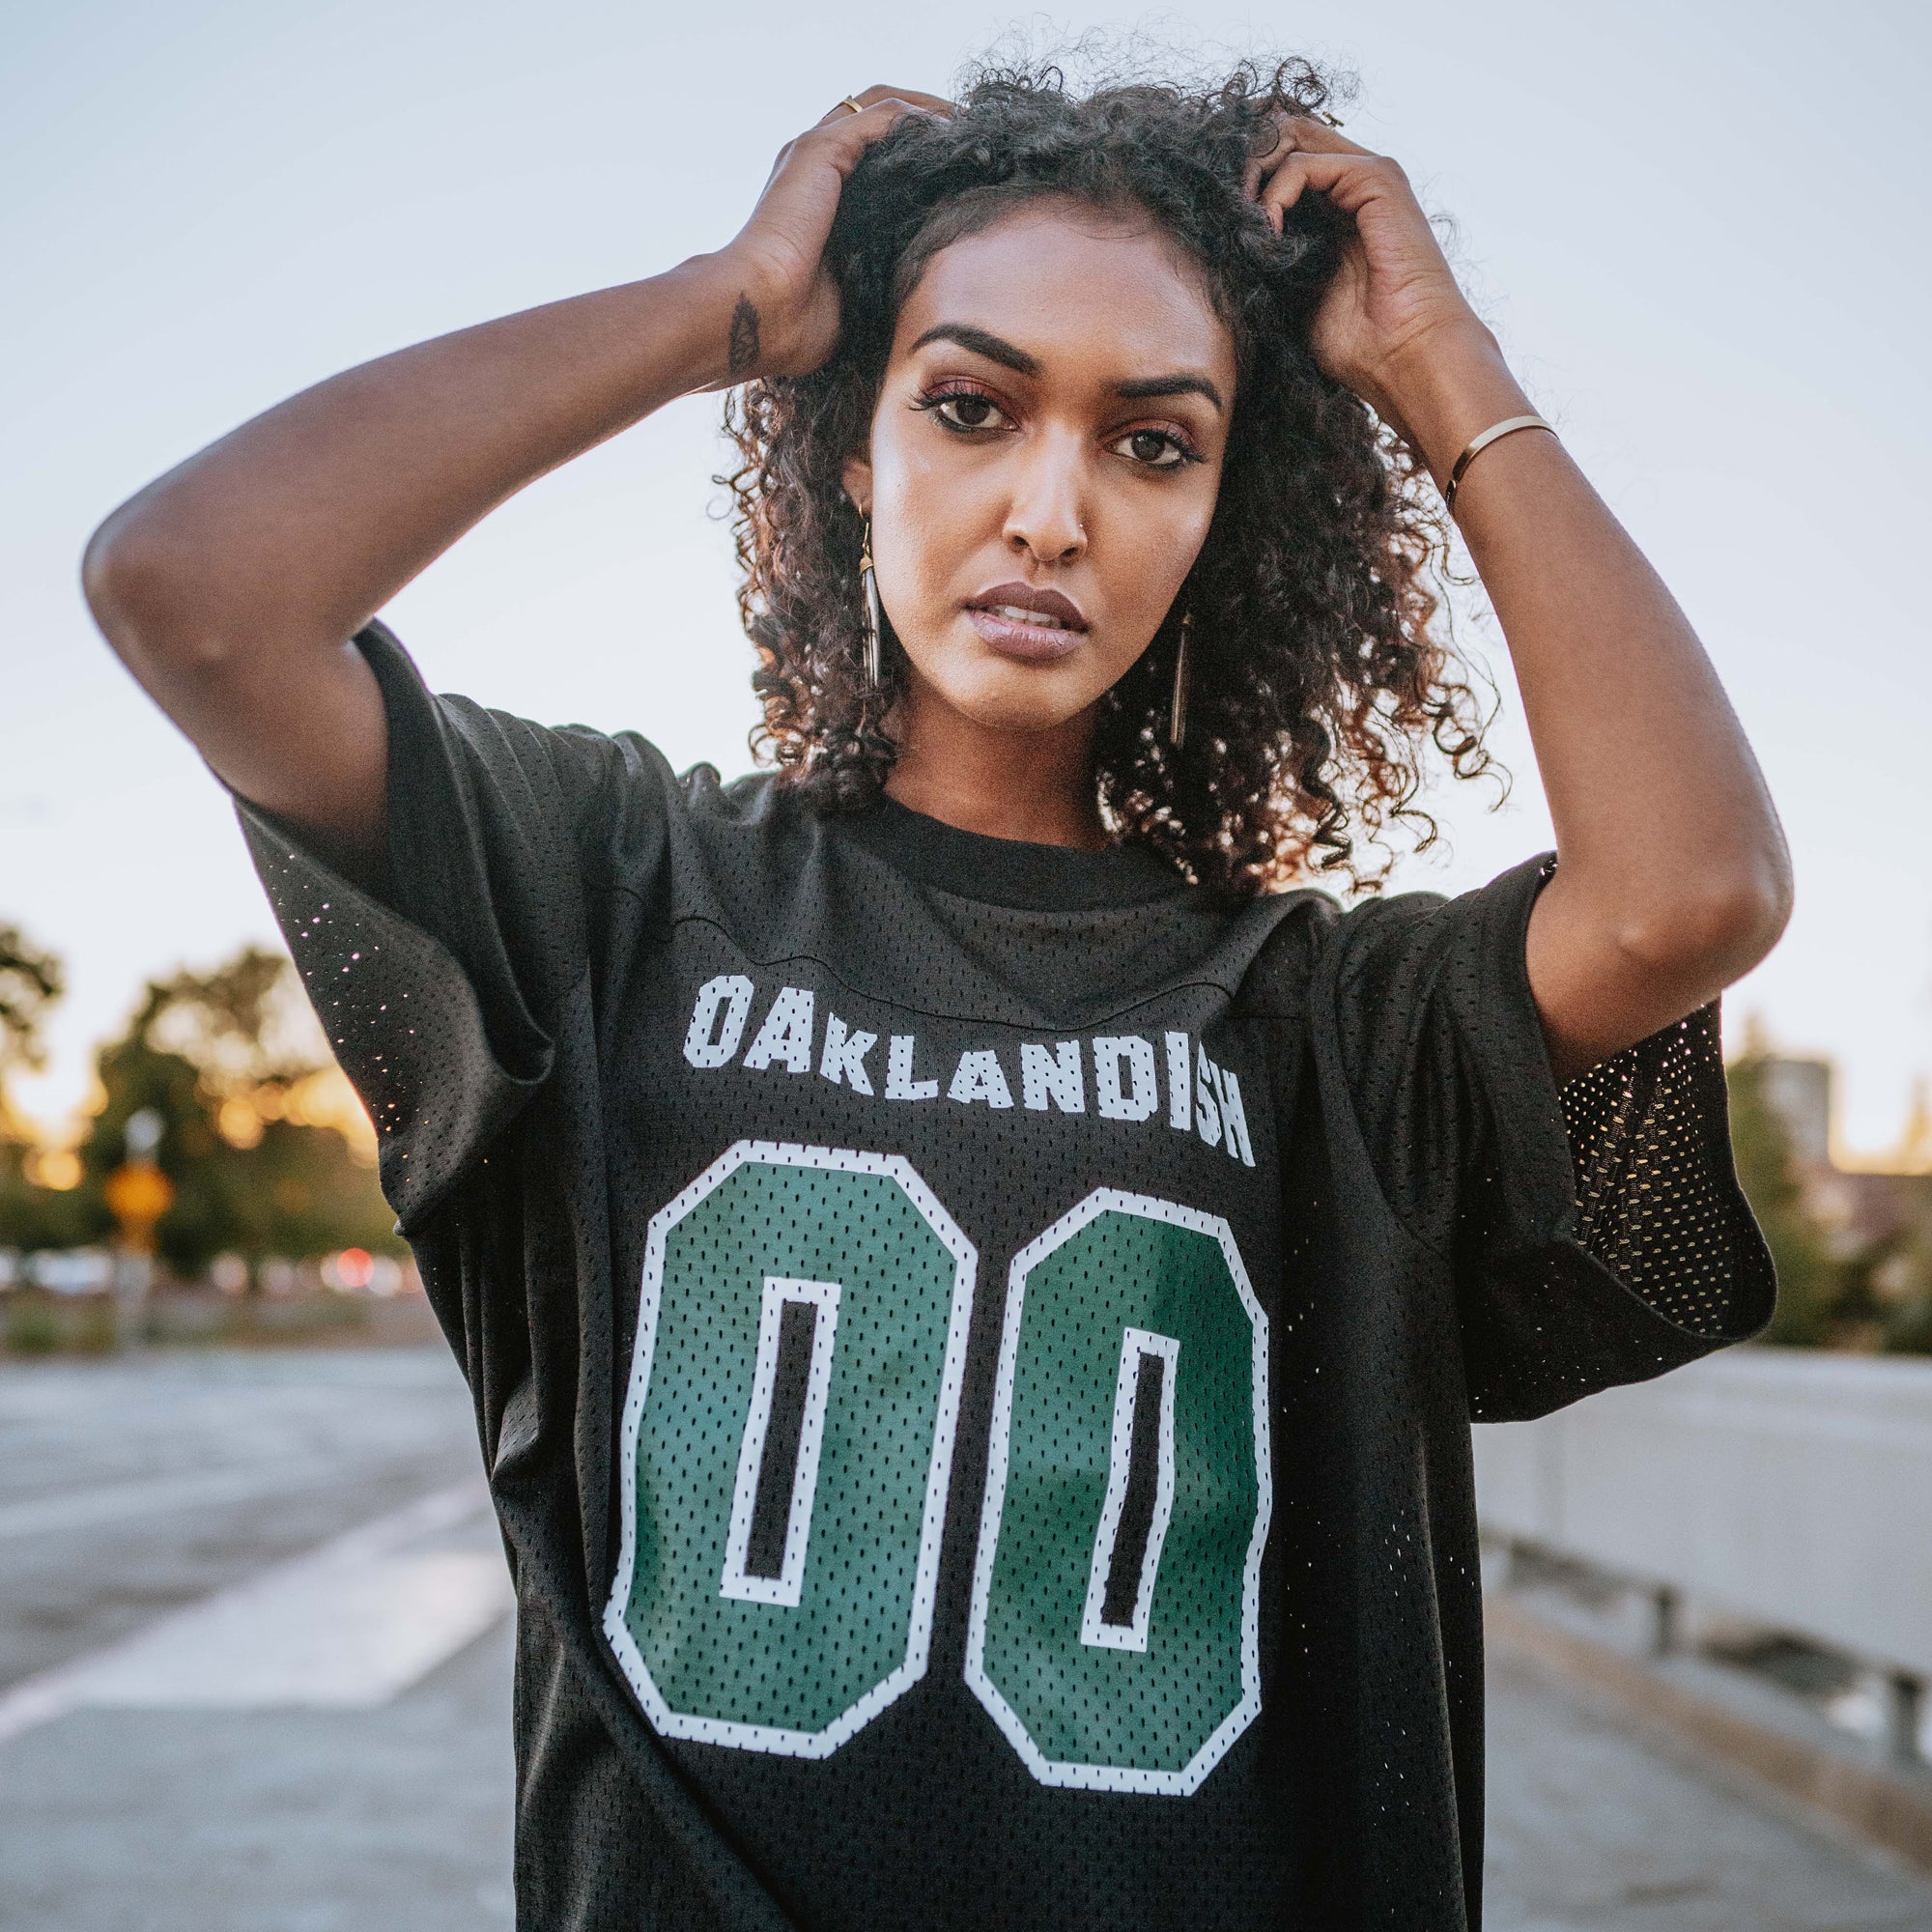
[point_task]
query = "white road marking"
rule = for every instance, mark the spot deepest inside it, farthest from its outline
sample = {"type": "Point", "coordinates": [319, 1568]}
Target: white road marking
{"type": "Point", "coordinates": [346, 1627]}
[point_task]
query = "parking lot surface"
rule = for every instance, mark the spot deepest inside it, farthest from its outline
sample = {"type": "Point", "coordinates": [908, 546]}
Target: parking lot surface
{"type": "Point", "coordinates": [255, 1671]}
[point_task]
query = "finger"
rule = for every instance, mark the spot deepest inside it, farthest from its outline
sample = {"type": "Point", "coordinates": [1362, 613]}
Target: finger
{"type": "Point", "coordinates": [846, 138]}
{"type": "Point", "coordinates": [838, 138]}
{"type": "Point", "coordinates": [1315, 135]}
{"type": "Point", "coordinates": [848, 135]}
{"type": "Point", "coordinates": [866, 97]}
{"type": "Point", "coordinates": [880, 96]}
{"type": "Point", "coordinates": [933, 103]}
{"type": "Point", "coordinates": [1294, 133]}
{"type": "Point", "coordinates": [841, 137]}
{"type": "Point", "coordinates": [1350, 180]}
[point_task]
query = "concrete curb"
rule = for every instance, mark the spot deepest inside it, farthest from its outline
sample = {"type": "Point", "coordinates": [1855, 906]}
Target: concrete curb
{"type": "Point", "coordinates": [1886, 1811]}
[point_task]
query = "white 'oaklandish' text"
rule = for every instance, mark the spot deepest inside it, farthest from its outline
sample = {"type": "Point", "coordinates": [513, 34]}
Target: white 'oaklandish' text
{"type": "Point", "coordinates": [1128, 1076]}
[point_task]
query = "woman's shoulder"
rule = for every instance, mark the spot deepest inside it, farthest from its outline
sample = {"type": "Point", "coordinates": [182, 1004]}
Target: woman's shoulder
{"type": "Point", "coordinates": [1314, 936]}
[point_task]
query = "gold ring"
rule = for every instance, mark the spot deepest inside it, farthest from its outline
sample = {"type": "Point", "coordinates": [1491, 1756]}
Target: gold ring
{"type": "Point", "coordinates": [848, 102]}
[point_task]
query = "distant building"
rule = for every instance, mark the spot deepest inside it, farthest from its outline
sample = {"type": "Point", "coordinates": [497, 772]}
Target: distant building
{"type": "Point", "coordinates": [1800, 1092]}
{"type": "Point", "coordinates": [1862, 1205]}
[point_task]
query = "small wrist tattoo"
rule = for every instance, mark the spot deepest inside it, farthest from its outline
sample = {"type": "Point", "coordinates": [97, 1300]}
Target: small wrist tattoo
{"type": "Point", "coordinates": [741, 355]}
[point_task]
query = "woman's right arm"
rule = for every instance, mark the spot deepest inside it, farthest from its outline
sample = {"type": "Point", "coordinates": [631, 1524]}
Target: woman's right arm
{"type": "Point", "coordinates": [231, 586]}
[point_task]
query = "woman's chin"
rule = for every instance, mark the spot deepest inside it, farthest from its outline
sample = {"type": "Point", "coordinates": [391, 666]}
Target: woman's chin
{"type": "Point", "coordinates": [998, 693]}
{"type": "Point", "coordinates": [1008, 697]}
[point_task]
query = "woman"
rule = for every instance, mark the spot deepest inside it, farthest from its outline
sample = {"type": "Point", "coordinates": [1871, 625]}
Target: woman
{"type": "Point", "coordinates": [974, 1292]}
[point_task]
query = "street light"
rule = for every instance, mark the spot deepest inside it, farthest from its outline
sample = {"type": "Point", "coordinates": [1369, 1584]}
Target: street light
{"type": "Point", "coordinates": [137, 1194]}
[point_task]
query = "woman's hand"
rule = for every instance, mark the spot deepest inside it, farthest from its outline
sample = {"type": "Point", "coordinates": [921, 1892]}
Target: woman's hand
{"type": "Point", "coordinates": [232, 585]}
{"type": "Point", "coordinates": [1674, 878]}
{"type": "Point", "coordinates": [786, 318]}
{"type": "Point", "coordinates": [1394, 305]}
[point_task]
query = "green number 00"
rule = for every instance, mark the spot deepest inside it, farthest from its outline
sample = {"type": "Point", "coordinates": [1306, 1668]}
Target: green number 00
{"type": "Point", "coordinates": [1149, 1697]}
{"type": "Point", "coordinates": [799, 1659]}
{"type": "Point", "coordinates": [787, 1441]}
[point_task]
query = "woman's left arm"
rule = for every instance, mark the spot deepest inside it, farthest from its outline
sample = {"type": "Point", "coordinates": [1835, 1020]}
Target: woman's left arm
{"type": "Point", "coordinates": [1675, 879]}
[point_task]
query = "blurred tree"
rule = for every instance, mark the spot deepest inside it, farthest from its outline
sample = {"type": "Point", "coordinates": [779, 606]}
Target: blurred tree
{"type": "Point", "coordinates": [230, 1024]}
{"type": "Point", "coordinates": [221, 1057]}
{"type": "Point", "coordinates": [31, 981]}
{"type": "Point", "coordinates": [32, 1216]}
{"type": "Point", "coordinates": [1909, 1332]}
{"type": "Point", "coordinates": [1812, 1287]}
{"type": "Point", "coordinates": [1894, 1286]}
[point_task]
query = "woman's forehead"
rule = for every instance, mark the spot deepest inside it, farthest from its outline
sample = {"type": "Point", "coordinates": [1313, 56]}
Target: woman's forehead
{"type": "Point", "coordinates": [1070, 283]}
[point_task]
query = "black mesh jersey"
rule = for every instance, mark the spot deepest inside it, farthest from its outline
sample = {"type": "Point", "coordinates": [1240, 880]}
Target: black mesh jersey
{"type": "Point", "coordinates": [974, 1344]}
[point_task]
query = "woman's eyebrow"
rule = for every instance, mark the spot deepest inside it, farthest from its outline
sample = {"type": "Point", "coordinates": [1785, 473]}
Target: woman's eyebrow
{"type": "Point", "coordinates": [997, 349]}
{"type": "Point", "coordinates": [1146, 388]}
{"type": "Point", "coordinates": [982, 342]}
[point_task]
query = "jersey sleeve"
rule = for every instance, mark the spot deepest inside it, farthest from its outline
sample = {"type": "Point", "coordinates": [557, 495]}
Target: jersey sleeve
{"type": "Point", "coordinates": [1595, 1233]}
{"type": "Point", "coordinates": [445, 991]}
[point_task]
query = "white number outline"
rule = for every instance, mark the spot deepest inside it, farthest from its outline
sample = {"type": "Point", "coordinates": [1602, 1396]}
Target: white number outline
{"type": "Point", "coordinates": [788, 1586]}
{"type": "Point", "coordinates": [1186, 1782]}
{"type": "Point", "coordinates": [1136, 1346]}
{"type": "Point", "coordinates": [770, 1738]}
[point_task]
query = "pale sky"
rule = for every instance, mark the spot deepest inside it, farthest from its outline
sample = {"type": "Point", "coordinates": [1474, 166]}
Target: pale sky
{"type": "Point", "coordinates": [1700, 229]}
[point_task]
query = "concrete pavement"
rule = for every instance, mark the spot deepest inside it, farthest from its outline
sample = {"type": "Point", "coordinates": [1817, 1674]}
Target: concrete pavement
{"type": "Point", "coordinates": [141, 1504]}
{"type": "Point", "coordinates": [129, 1487]}
{"type": "Point", "coordinates": [1595, 1828]}
{"type": "Point", "coordinates": [268, 1821]}
{"type": "Point", "coordinates": [193, 1530]}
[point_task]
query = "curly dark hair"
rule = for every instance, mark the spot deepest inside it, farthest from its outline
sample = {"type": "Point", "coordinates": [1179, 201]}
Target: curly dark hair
{"type": "Point", "coordinates": [1317, 677]}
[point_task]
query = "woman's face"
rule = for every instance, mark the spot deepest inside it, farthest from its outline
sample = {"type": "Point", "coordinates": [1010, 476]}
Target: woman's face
{"type": "Point", "coordinates": [1044, 460]}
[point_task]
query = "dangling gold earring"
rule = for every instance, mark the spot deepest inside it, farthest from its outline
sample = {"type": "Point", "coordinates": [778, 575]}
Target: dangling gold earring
{"type": "Point", "coordinates": [869, 578]}
{"type": "Point", "coordinates": [1176, 709]}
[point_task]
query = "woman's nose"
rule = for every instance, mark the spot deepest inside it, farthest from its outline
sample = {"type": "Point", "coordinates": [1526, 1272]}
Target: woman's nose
{"type": "Point", "coordinates": [1045, 516]}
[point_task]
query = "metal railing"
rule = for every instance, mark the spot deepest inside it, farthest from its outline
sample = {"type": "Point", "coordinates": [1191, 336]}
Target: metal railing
{"type": "Point", "coordinates": [1787, 1487]}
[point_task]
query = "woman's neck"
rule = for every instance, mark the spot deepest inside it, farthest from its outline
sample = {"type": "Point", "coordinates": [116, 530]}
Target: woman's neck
{"type": "Point", "coordinates": [1031, 785]}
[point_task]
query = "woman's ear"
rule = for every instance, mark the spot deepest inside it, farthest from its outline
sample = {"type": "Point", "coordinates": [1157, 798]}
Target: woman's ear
{"type": "Point", "coordinates": [856, 474]}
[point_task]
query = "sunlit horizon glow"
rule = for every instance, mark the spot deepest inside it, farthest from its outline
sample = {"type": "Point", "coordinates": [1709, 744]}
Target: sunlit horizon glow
{"type": "Point", "coordinates": [227, 204]}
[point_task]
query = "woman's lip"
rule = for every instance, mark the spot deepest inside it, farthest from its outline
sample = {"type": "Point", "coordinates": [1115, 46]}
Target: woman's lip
{"type": "Point", "coordinates": [1049, 604]}
{"type": "Point", "coordinates": [1031, 644]}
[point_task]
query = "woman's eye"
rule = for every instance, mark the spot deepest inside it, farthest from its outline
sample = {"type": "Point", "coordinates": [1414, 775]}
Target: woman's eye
{"type": "Point", "coordinates": [969, 412]}
{"type": "Point", "coordinates": [1154, 448]}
